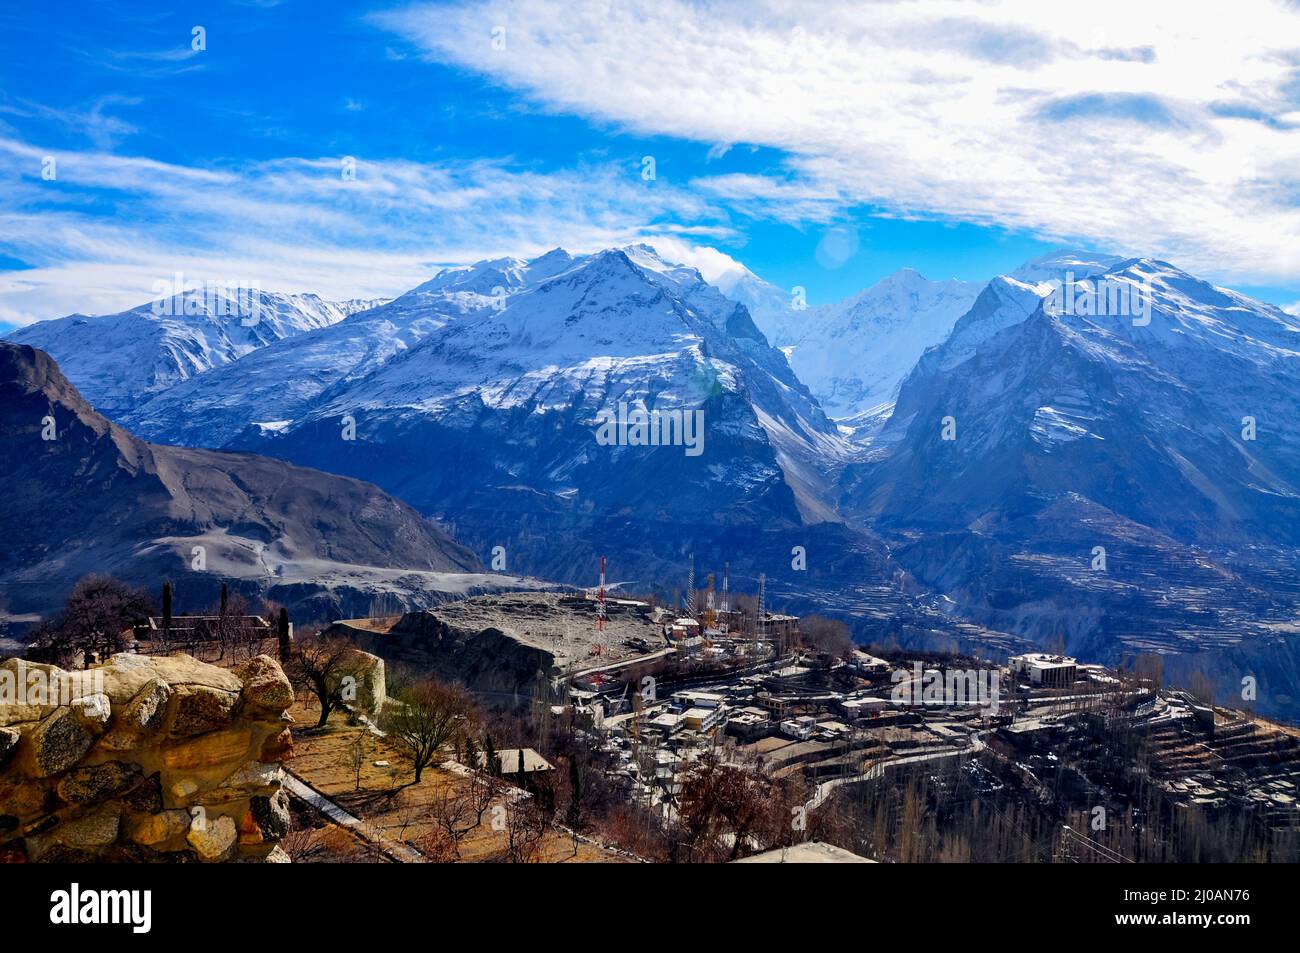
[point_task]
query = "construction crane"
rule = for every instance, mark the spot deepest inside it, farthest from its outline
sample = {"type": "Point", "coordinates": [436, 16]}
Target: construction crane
{"type": "Point", "coordinates": [602, 614]}
{"type": "Point", "coordinates": [726, 605]}
{"type": "Point", "coordinates": [690, 589]}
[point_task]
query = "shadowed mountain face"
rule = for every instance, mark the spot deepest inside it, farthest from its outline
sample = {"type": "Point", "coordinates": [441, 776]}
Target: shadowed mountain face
{"type": "Point", "coordinates": [1118, 479]}
{"type": "Point", "coordinates": [83, 495]}
{"type": "Point", "coordinates": [479, 398]}
{"type": "Point", "coordinates": [1179, 420]}
{"type": "Point", "coordinates": [1122, 476]}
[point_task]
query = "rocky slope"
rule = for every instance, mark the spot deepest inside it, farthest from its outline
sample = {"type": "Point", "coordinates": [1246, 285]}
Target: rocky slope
{"type": "Point", "coordinates": [93, 498]}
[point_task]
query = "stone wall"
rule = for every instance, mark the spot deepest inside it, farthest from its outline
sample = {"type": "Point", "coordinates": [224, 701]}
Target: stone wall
{"type": "Point", "coordinates": [143, 759]}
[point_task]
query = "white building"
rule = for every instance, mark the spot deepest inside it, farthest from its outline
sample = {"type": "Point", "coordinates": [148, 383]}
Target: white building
{"type": "Point", "coordinates": [1045, 671]}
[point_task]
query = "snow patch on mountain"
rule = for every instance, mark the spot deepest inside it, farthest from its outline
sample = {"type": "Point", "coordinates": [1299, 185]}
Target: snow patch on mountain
{"type": "Point", "coordinates": [854, 354]}
{"type": "Point", "coordinates": [120, 360]}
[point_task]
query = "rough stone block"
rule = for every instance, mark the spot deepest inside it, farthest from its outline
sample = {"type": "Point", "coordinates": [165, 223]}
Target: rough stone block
{"type": "Point", "coordinates": [59, 742]}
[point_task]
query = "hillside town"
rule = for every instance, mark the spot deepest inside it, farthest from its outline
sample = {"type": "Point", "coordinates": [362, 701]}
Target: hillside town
{"type": "Point", "coordinates": [594, 722]}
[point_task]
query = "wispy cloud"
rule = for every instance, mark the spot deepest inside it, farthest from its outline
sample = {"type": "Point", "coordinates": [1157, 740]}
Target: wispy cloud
{"type": "Point", "coordinates": [1136, 127]}
{"type": "Point", "coordinates": [108, 227]}
{"type": "Point", "coordinates": [93, 120]}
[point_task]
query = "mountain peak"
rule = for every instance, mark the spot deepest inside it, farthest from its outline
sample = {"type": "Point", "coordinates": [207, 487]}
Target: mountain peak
{"type": "Point", "coordinates": [1060, 262]}
{"type": "Point", "coordinates": [901, 276]}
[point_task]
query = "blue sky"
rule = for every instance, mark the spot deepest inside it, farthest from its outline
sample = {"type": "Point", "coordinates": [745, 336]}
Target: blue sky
{"type": "Point", "coordinates": [824, 153]}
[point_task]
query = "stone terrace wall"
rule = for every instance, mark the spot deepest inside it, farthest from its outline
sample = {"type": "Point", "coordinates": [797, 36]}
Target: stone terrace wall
{"type": "Point", "coordinates": [143, 759]}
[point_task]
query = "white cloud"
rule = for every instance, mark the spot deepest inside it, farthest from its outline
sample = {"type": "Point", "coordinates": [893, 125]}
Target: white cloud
{"type": "Point", "coordinates": [709, 262]}
{"type": "Point", "coordinates": [296, 224]}
{"type": "Point", "coordinates": [1144, 128]}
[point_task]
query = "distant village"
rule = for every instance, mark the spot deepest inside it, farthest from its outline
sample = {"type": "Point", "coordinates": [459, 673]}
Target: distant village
{"type": "Point", "coordinates": [609, 714]}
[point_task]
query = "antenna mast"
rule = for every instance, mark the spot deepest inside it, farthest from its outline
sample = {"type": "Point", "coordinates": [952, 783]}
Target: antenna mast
{"type": "Point", "coordinates": [602, 616]}
{"type": "Point", "coordinates": [690, 589]}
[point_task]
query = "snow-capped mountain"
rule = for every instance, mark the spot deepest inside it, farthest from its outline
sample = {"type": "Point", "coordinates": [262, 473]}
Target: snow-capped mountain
{"type": "Point", "coordinates": [852, 354]}
{"type": "Point", "coordinates": [119, 360]}
{"type": "Point", "coordinates": [1139, 412]}
{"type": "Point", "coordinates": [1056, 266]}
{"type": "Point", "coordinates": [774, 310]}
{"type": "Point", "coordinates": [479, 397]}
{"type": "Point", "coordinates": [1116, 464]}
{"type": "Point", "coordinates": [274, 386]}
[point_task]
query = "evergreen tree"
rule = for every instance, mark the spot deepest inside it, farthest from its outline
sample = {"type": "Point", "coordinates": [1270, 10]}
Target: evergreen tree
{"type": "Point", "coordinates": [282, 633]}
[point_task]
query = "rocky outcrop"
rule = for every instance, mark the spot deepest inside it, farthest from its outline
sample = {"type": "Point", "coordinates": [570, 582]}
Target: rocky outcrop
{"type": "Point", "coordinates": [143, 759]}
{"type": "Point", "coordinates": [485, 658]}
{"type": "Point", "coordinates": [149, 506]}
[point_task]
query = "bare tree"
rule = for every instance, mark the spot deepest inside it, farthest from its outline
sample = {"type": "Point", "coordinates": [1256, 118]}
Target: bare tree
{"type": "Point", "coordinates": [320, 665]}
{"type": "Point", "coordinates": [429, 715]}
{"type": "Point", "coordinates": [726, 810]}
{"type": "Point", "coordinates": [828, 636]}
{"type": "Point", "coordinates": [94, 622]}
{"type": "Point", "coordinates": [357, 756]}
{"type": "Point", "coordinates": [526, 826]}
{"type": "Point", "coordinates": [454, 813]}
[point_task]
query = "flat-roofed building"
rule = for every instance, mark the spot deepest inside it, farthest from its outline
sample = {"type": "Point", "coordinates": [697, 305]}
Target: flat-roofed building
{"type": "Point", "coordinates": [1044, 670]}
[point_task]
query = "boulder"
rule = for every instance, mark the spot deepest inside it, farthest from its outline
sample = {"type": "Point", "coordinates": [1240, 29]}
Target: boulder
{"type": "Point", "coordinates": [271, 814]}
{"type": "Point", "coordinates": [361, 683]}
{"type": "Point", "coordinates": [98, 782]}
{"type": "Point", "coordinates": [277, 748]}
{"type": "Point", "coordinates": [59, 741]}
{"type": "Point", "coordinates": [94, 712]}
{"type": "Point", "coordinates": [126, 675]}
{"type": "Point", "coordinates": [265, 684]}
{"type": "Point", "coordinates": [247, 780]}
{"type": "Point", "coordinates": [213, 840]}
{"type": "Point", "coordinates": [147, 796]}
{"type": "Point", "coordinates": [94, 830]}
{"type": "Point", "coordinates": [147, 708]}
{"type": "Point", "coordinates": [197, 709]}
{"type": "Point", "coordinates": [210, 749]}
{"type": "Point", "coordinates": [29, 691]}
{"type": "Point", "coordinates": [152, 829]}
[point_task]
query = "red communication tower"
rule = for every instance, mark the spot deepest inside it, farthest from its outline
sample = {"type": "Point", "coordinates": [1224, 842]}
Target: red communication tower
{"type": "Point", "coordinates": [601, 615]}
